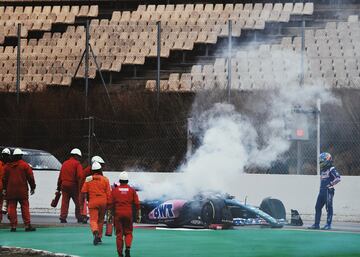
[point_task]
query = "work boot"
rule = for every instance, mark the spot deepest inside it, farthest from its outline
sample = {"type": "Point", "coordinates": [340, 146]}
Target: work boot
{"type": "Point", "coordinates": [62, 220]}
{"type": "Point", "coordinates": [327, 227]}
{"type": "Point", "coordinates": [96, 238]}
{"type": "Point", "coordinates": [314, 226]}
{"type": "Point", "coordinates": [12, 229]}
{"type": "Point", "coordinates": [30, 229]}
{"type": "Point", "coordinates": [127, 252]}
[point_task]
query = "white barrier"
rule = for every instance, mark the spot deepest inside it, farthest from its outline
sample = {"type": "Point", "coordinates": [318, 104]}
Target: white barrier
{"type": "Point", "coordinates": [295, 191]}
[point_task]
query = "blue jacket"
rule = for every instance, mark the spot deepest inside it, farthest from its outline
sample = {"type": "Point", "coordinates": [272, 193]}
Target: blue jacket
{"type": "Point", "coordinates": [329, 178]}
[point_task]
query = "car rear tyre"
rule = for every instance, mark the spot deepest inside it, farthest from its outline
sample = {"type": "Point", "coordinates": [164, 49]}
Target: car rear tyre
{"type": "Point", "coordinates": [208, 213]}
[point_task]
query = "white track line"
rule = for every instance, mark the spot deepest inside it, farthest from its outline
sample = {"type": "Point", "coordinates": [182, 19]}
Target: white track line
{"type": "Point", "coordinates": [183, 229]}
{"type": "Point", "coordinates": [321, 231]}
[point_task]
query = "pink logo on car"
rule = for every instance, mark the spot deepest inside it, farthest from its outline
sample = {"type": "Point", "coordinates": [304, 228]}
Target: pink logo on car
{"type": "Point", "coordinates": [167, 210]}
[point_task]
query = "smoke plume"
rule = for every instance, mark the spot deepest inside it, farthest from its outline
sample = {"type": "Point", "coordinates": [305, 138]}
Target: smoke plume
{"type": "Point", "coordinates": [231, 140]}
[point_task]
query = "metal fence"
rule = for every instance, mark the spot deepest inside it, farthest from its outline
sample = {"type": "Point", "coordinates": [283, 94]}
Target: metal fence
{"type": "Point", "coordinates": [341, 139]}
{"type": "Point", "coordinates": [149, 146]}
{"type": "Point", "coordinates": [163, 146]}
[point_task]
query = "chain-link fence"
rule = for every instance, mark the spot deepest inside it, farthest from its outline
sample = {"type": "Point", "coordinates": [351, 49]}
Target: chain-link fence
{"type": "Point", "coordinates": [55, 136]}
{"type": "Point", "coordinates": [151, 146]}
{"type": "Point", "coordinates": [341, 139]}
{"type": "Point", "coordinates": [148, 146]}
{"type": "Point", "coordinates": [163, 146]}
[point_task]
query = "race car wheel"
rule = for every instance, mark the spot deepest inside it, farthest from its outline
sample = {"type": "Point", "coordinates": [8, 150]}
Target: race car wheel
{"type": "Point", "coordinates": [208, 213]}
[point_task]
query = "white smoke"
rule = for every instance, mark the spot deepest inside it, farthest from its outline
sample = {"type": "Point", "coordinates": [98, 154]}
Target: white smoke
{"type": "Point", "coordinates": [230, 141]}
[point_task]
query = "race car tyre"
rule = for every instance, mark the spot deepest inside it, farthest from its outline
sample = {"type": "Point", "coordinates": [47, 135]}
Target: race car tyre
{"type": "Point", "coordinates": [208, 213]}
{"type": "Point", "coordinates": [273, 207]}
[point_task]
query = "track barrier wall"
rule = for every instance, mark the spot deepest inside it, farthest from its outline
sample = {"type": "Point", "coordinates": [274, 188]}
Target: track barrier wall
{"type": "Point", "coordinates": [295, 191]}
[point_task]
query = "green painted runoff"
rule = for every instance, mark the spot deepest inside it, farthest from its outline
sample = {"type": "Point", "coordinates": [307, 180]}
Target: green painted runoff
{"type": "Point", "coordinates": [197, 243]}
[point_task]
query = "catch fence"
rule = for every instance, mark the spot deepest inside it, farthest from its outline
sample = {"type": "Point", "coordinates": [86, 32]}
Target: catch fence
{"type": "Point", "coordinates": [163, 146]}
{"type": "Point", "coordinates": [148, 146]}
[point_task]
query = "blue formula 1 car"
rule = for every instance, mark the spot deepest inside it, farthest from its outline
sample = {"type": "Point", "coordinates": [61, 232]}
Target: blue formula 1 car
{"type": "Point", "coordinates": [212, 210]}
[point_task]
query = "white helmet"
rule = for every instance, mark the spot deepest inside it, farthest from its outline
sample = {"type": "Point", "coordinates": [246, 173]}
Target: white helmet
{"type": "Point", "coordinates": [18, 151]}
{"type": "Point", "coordinates": [98, 159]}
{"type": "Point", "coordinates": [6, 151]}
{"type": "Point", "coordinates": [124, 176]}
{"type": "Point", "coordinates": [76, 151]}
{"type": "Point", "coordinates": [96, 166]}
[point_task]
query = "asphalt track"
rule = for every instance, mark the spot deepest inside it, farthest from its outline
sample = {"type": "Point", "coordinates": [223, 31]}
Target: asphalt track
{"type": "Point", "coordinates": [75, 239]}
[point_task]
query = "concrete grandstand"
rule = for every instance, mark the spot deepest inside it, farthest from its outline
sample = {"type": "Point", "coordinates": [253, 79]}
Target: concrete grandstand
{"type": "Point", "coordinates": [125, 39]}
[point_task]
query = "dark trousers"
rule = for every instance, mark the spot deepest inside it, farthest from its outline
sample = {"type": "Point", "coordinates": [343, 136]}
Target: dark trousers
{"type": "Point", "coordinates": [325, 197]}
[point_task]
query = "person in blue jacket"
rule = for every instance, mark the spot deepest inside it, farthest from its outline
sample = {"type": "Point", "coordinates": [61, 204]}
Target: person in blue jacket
{"type": "Point", "coordinates": [329, 177]}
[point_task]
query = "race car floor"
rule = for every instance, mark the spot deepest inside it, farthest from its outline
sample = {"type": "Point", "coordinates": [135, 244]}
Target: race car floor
{"type": "Point", "coordinates": [149, 242]}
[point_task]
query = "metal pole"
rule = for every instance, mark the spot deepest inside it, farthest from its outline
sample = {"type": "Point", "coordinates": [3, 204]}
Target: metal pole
{"type": "Point", "coordinates": [102, 78]}
{"type": "Point", "coordinates": [189, 138]}
{"type": "Point", "coordinates": [18, 64]}
{"type": "Point", "coordinates": [86, 67]}
{"type": "Point", "coordinates": [318, 112]}
{"type": "Point", "coordinates": [78, 66]}
{"type": "Point", "coordinates": [299, 159]}
{"type": "Point", "coordinates": [158, 64]}
{"type": "Point", "coordinates": [90, 132]}
{"type": "Point", "coordinates": [229, 62]}
{"type": "Point", "coordinates": [302, 52]}
{"type": "Point", "coordinates": [17, 138]}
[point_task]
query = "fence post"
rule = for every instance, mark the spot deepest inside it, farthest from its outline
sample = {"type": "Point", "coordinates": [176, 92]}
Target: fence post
{"type": "Point", "coordinates": [90, 134]}
{"type": "Point", "coordinates": [299, 157]}
{"type": "Point", "coordinates": [302, 71]}
{"type": "Point", "coordinates": [229, 62]}
{"type": "Point", "coordinates": [86, 66]}
{"type": "Point", "coordinates": [158, 64]}
{"type": "Point", "coordinates": [18, 64]}
{"type": "Point", "coordinates": [189, 142]}
{"type": "Point", "coordinates": [318, 111]}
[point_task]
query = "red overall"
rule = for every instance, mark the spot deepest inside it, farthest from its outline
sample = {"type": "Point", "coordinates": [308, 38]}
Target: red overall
{"type": "Point", "coordinates": [17, 176]}
{"type": "Point", "coordinates": [123, 199]}
{"type": "Point", "coordinates": [68, 183]}
{"type": "Point", "coordinates": [85, 173]}
{"type": "Point", "coordinates": [1, 187]}
{"type": "Point", "coordinates": [98, 189]}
